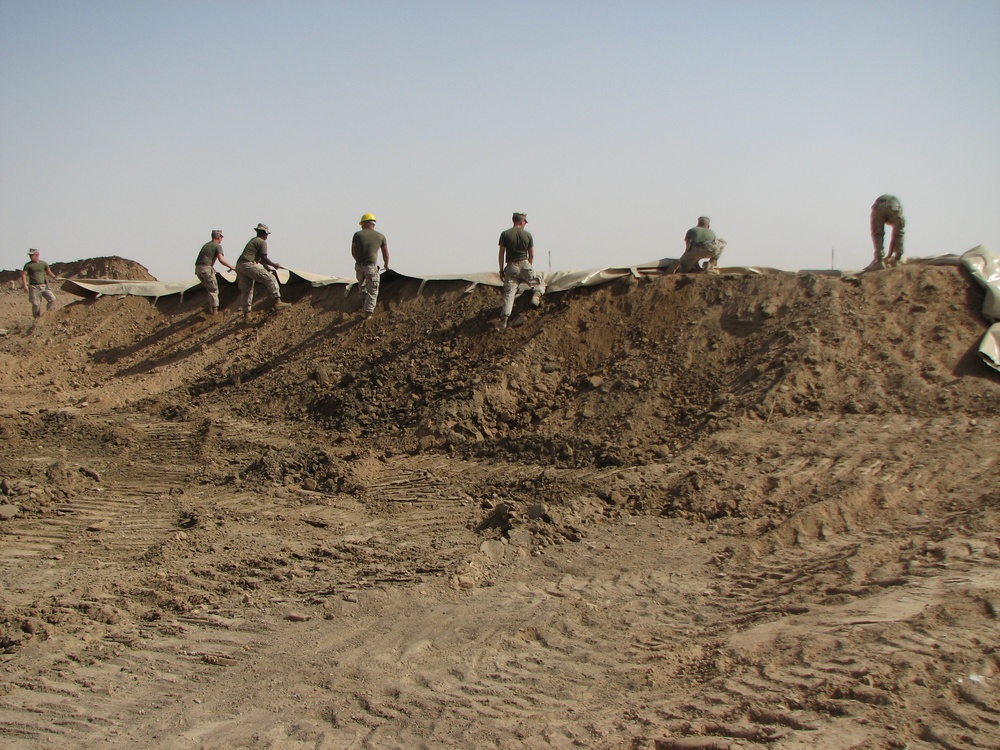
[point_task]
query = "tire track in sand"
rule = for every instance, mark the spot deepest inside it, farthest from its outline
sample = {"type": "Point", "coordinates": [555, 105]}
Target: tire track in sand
{"type": "Point", "coordinates": [113, 672]}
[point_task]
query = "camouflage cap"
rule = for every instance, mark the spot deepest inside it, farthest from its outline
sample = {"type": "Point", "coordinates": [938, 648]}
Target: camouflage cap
{"type": "Point", "coordinates": [518, 216]}
{"type": "Point", "coordinates": [32, 251]}
{"type": "Point", "coordinates": [262, 228]}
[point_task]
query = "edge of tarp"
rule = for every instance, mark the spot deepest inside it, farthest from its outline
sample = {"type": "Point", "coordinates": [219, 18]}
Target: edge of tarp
{"type": "Point", "coordinates": [555, 281]}
{"type": "Point", "coordinates": [125, 288]}
{"type": "Point", "coordinates": [984, 266]}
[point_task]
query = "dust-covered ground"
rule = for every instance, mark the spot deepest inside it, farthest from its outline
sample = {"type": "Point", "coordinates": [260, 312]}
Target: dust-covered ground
{"type": "Point", "coordinates": [680, 511]}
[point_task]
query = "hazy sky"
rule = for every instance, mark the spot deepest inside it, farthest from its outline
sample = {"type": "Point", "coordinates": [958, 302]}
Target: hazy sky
{"type": "Point", "coordinates": [134, 128]}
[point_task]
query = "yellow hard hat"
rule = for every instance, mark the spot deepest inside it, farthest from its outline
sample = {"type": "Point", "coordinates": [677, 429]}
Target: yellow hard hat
{"type": "Point", "coordinates": [367, 217]}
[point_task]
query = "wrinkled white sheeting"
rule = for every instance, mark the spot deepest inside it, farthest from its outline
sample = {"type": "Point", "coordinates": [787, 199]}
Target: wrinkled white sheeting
{"type": "Point", "coordinates": [157, 289]}
{"type": "Point", "coordinates": [555, 281]}
{"type": "Point", "coordinates": [120, 288]}
{"type": "Point", "coordinates": [985, 268]}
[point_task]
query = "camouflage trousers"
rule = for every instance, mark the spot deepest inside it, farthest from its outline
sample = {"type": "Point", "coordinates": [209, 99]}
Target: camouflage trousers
{"type": "Point", "coordinates": [247, 275]}
{"type": "Point", "coordinates": [888, 213]}
{"type": "Point", "coordinates": [690, 261]}
{"type": "Point", "coordinates": [514, 274]}
{"type": "Point", "coordinates": [368, 280]}
{"type": "Point", "coordinates": [206, 274]}
{"type": "Point", "coordinates": [37, 293]}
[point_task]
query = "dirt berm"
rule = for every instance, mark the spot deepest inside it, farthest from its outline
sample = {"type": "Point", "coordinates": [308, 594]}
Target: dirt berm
{"type": "Point", "coordinates": [678, 511]}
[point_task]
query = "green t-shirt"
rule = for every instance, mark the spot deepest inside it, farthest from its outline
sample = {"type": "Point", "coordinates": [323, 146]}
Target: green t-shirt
{"type": "Point", "coordinates": [36, 271]}
{"type": "Point", "coordinates": [209, 252]}
{"type": "Point", "coordinates": [699, 236]}
{"type": "Point", "coordinates": [254, 251]}
{"type": "Point", "coordinates": [367, 243]}
{"type": "Point", "coordinates": [516, 243]}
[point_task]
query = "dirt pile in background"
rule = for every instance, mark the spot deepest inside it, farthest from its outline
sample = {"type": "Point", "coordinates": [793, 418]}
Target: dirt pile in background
{"type": "Point", "coordinates": [718, 509]}
{"type": "Point", "coordinates": [111, 267]}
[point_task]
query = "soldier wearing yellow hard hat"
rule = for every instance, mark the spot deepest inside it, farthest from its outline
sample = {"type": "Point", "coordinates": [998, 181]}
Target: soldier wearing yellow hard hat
{"type": "Point", "coordinates": [365, 247]}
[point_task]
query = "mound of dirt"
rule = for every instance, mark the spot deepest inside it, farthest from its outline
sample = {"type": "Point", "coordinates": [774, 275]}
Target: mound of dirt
{"type": "Point", "coordinates": [111, 267]}
{"type": "Point", "coordinates": [676, 511]}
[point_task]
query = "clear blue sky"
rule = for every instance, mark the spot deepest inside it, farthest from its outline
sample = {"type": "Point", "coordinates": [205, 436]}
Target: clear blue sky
{"type": "Point", "coordinates": [133, 128]}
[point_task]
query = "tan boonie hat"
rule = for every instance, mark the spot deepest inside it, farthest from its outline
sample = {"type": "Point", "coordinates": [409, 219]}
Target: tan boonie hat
{"type": "Point", "coordinates": [262, 228]}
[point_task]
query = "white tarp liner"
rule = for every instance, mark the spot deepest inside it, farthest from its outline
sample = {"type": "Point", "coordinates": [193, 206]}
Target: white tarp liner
{"type": "Point", "coordinates": [985, 268]}
{"type": "Point", "coordinates": [981, 263]}
{"type": "Point", "coordinates": [120, 288]}
{"type": "Point", "coordinates": [556, 281]}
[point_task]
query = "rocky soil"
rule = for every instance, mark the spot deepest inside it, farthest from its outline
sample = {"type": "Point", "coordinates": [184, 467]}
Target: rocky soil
{"type": "Point", "coordinates": [679, 511]}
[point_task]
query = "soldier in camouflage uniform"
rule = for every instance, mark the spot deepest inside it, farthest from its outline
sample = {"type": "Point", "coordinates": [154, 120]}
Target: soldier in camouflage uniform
{"type": "Point", "coordinates": [887, 210]}
{"type": "Point", "coordinates": [516, 253]}
{"type": "Point", "coordinates": [700, 243]}
{"type": "Point", "coordinates": [204, 269]}
{"type": "Point", "coordinates": [34, 279]}
{"type": "Point", "coordinates": [366, 244]}
{"type": "Point", "coordinates": [251, 269]}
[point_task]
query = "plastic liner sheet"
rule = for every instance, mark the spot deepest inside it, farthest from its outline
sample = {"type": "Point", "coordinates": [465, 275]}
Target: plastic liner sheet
{"type": "Point", "coordinates": [985, 268]}
{"type": "Point", "coordinates": [555, 281]}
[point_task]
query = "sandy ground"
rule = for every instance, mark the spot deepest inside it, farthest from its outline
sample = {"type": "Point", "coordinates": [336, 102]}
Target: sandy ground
{"type": "Point", "coordinates": [675, 512]}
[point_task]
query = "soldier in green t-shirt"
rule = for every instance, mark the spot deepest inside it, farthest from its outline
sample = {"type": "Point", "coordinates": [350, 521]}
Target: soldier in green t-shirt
{"type": "Point", "coordinates": [204, 269]}
{"type": "Point", "coordinates": [700, 243]}
{"type": "Point", "coordinates": [365, 247]}
{"type": "Point", "coordinates": [34, 279]}
{"type": "Point", "coordinates": [887, 210]}
{"type": "Point", "coordinates": [516, 254]}
{"type": "Point", "coordinates": [250, 270]}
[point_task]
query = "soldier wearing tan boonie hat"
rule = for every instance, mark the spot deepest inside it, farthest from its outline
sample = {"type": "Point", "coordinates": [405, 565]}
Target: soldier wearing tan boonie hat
{"type": "Point", "coordinates": [251, 269]}
{"type": "Point", "coordinates": [34, 280]}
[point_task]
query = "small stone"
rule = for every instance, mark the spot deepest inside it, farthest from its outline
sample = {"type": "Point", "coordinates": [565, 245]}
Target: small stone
{"type": "Point", "coordinates": [520, 537]}
{"type": "Point", "coordinates": [493, 549]}
{"type": "Point", "coordinates": [322, 375]}
{"type": "Point", "coordinates": [538, 510]}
